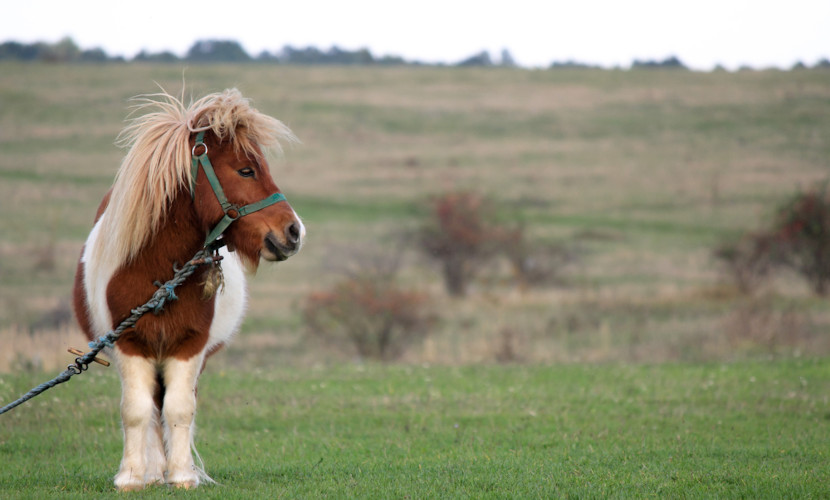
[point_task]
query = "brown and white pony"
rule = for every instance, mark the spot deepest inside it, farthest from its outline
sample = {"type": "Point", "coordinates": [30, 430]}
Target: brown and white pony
{"type": "Point", "coordinates": [155, 216]}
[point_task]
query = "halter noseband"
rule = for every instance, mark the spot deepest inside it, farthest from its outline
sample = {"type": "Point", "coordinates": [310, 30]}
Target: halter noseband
{"type": "Point", "coordinates": [232, 211]}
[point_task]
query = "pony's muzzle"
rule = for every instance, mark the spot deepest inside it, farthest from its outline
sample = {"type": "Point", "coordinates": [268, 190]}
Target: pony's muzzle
{"type": "Point", "coordinates": [278, 248]}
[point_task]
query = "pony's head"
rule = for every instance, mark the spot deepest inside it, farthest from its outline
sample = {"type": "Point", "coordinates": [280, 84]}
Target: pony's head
{"type": "Point", "coordinates": [231, 184]}
{"type": "Point", "coordinates": [225, 130]}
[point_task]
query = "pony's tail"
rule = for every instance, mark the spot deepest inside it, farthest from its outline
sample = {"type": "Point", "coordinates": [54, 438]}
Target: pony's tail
{"type": "Point", "coordinates": [198, 464]}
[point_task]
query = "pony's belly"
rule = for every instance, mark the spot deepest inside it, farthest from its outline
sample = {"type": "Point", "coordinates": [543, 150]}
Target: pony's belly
{"type": "Point", "coordinates": [231, 301]}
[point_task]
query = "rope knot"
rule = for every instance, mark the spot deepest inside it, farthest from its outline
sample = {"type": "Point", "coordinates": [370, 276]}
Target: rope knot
{"type": "Point", "coordinates": [164, 293]}
{"type": "Point", "coordinates": [105, 341]}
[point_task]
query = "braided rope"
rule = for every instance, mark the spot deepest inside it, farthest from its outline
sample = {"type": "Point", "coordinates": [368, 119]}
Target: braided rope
{"type": "Point", "coordinates": [156, 303]}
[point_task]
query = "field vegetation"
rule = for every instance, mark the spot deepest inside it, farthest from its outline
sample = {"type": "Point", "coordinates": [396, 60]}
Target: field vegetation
{"type": "Point", "coordinates": [738, 430]}
{"type": "Point", "coordinates": [692, 386]}
{"type": "Point", "coordinates": [639, 174]}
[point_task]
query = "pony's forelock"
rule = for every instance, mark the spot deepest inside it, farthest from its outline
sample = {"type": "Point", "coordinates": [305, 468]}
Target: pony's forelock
{"type": "Point", "coordinates": [157, 163]}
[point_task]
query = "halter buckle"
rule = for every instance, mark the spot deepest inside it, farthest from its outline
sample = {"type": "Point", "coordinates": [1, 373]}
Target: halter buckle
{"type": "Point", "coordinates": [193, 151]}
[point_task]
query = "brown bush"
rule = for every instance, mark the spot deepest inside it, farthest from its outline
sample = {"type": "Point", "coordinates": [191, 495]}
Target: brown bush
{"type": "Point", "coordinates": [798, 238]}
{"type": "Point", "coordinates": [374, 316]}
{"type": "Point", "coordinates": [802, 230]}
{"type": "Point", "coordinates": [749, 261]}
{"type": "Point", "coordinates": [758, 323]}
{"type": "Point", "coordinates": [461, 233]}
{"type": "Point", "coordinates": [535, 265]}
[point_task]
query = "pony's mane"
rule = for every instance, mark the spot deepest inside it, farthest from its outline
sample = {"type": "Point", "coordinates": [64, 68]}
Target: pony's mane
{"type": "Point", "coordinates": [157, 164]}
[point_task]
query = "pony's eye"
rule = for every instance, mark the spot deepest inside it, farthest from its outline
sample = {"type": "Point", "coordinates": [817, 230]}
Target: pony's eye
{"type": "Point", "coordinates": [246, 172]}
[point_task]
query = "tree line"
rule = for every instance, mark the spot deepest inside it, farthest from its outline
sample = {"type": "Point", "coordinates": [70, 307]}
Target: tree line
{"type": "Point", "coordinates": [230, 51]}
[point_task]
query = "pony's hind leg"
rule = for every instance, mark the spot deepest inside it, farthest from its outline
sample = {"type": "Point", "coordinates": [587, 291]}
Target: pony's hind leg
{"type": "Point", "coordinates": [138, 379]}
{"type": "Point", "coordinates": [179, 412]}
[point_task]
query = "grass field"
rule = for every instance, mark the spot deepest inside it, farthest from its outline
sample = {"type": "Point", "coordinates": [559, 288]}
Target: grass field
{"type": "Point", "coordinates": [640, 172]}
{"type": "Point", "coordinates": [738, 430]}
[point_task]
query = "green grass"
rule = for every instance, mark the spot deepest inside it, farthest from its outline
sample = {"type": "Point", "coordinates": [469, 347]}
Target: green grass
{"type": "Point", "coordinates": [743, 430]}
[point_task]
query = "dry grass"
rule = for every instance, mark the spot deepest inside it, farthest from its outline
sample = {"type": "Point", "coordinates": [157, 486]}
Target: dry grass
{"type": "Point", "coordinates": [39, 350]}
{"type": "Point", "coordinates": [644, 171]}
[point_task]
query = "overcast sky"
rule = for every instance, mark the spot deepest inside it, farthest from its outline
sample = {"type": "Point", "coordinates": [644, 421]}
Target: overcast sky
{"type": "Point", "coordinates": [702, 33]}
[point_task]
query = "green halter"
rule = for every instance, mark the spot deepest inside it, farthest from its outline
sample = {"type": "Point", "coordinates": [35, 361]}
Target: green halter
{"type": "Point", "coordinates": [232, 211]}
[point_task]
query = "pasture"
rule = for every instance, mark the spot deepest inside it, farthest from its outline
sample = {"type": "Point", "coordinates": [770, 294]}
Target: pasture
{"type": "Point", "coordinates": [688, 388]}
{"type": "Point", "coordinates": [740, 430]}
{"type": "Point", "coordinates": [641, 173]}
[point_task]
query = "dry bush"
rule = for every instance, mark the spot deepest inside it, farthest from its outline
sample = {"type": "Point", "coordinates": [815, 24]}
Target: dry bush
{"type": "Point", "coordinates": [758, 323]}
{"type": "Point", "coordinates": [797, 238]}
{"type": "Point", "coordinates": [462, 235]}
{"type": "Point", "coordinates": [536, 265]}
{"type": "Point", "coordinates": [379, 319]}
{"type": "Point", "coordinates": [747, 262]}
{"type": "Point", "coordinates": [40, 349]}
{"type": "Point", "coordinates": [802, 230]}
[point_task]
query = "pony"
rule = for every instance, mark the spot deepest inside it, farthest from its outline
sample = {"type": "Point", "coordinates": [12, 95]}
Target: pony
{"type": "Point", "coordinates": [188, 169]}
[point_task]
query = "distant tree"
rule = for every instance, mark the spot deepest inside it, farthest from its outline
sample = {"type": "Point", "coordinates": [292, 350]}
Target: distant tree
{"type": "Point", "coordinates": [308, 55]}
{"type": "Point", "coordinates": [571, 64]}
{"type": "Point", "coordinates": [163, 57]}
{"type": "Point", "coordinates": [96, 55]}
{"type": "Point", "coordinates": [823, 64]}
{"type": "Point", "coordinates": [507, 59]}
{"type": "Point", "coordinates": [388, 60]}
{"type": "Point", "coordinates": [480, 59]}
{"type": "Point", "coordinates": [63, 51]}
{"type": "Point", "coordinates": [217, 51]}
{"type": "Point", "coordinates": [20, 52]}
{"type": "Point", "coordinates": [266, 56]}
{"type": "Point", "coordinates": [671, 62]}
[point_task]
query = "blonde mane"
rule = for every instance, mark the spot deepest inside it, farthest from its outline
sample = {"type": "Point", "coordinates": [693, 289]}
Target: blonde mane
{"type": "Point", "coordinates": [157, 163]}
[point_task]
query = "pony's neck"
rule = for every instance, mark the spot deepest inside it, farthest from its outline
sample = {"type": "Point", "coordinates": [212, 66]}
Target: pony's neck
{"type": "Point", "coordinates": [178, 237]}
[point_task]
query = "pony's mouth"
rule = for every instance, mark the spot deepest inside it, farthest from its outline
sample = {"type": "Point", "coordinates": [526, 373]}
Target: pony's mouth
{"type": "Point", "coordinates": [274, 251]}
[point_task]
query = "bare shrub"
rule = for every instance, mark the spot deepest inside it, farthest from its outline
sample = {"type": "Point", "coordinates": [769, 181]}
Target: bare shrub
{"type": "Point", "coordinates": [462, 235]}
{"type": "Point", "coordinates": [797, 238]}
{"type": "Point", "coordinates": [749, 261]}
{"type": "Point", "coordinates": [535, 265]}
{"type": "Point", "coordinates": [759, 323]}
{"type": "Point", "coordinates": [802, 229]}
{"type": "Point", "coordinates": [507, 349]}
{"type": "Point", "coordinates": [379, 319]}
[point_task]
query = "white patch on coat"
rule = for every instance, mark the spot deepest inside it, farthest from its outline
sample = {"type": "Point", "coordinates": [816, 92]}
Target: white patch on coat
{"type": "Point", "coordinates": [96, 279]}
{"type": "Point", "coordinates": [231, 301]}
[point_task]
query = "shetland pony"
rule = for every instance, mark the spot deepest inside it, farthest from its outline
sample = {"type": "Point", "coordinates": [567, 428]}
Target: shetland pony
{"type": "Point", "coordinates": [155, 216]}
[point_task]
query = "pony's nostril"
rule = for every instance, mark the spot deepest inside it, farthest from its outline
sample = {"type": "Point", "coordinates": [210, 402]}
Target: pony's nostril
{"type": "Point", "coordinates": [292, 233]}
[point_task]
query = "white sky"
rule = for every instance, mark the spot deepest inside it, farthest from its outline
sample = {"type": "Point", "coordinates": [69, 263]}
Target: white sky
{"type": "Point", "coordinates": [702, 33]}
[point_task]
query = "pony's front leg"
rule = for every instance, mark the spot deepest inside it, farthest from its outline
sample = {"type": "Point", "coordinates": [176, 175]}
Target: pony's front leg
{"type": "Point", "coordinates": [179, 413]}
{"type": "Point", "coordinates": [138, 381]}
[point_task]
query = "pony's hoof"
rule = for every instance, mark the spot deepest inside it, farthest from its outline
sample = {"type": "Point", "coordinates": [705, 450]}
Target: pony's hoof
{"type": "Point", "coordinates": [183, 480]}
{"type": "Point", "coordinates": [127, 482]}
{"type": "Point", "coordinates": [185, 485]}
{"type": "Point", "coordinates": [130, 487]}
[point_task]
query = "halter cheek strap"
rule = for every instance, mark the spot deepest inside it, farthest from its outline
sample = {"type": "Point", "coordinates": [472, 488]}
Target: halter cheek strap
{"type": "Point", "coordinates": [232, 211]}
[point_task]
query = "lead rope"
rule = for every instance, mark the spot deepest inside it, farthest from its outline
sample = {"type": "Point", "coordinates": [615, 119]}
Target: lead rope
{"type": "Point", "coordinates": [156, 303]}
